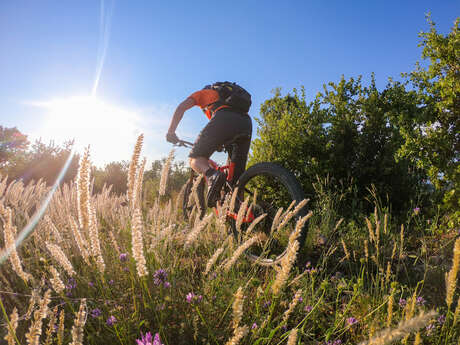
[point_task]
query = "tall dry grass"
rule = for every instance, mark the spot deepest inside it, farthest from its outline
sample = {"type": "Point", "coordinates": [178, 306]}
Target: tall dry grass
{"type": "Point", "coordinates": [103, 268]}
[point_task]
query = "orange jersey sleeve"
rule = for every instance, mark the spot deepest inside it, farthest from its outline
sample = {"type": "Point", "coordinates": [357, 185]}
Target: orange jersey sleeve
{"type": "Point", "coordinates": [203, 98]}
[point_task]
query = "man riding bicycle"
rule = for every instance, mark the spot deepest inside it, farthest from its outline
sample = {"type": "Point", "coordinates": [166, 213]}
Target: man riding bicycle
{"type": "Point", "coordinates": [226, 105]}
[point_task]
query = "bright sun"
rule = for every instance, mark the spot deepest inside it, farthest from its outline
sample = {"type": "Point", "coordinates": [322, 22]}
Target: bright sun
{"type": "Point", "coordinates": [108, 129]}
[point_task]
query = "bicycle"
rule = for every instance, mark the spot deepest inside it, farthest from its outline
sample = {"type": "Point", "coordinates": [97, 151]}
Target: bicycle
{"type": "Point", "coordinates": [272, 188]}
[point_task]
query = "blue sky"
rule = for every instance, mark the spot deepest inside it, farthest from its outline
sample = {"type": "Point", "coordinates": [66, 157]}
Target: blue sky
{"type": "Point", "coordinates": [150, 55]}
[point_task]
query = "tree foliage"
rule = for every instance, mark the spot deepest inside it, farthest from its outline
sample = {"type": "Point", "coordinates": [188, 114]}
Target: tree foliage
{"type": "Point", "coordinates": [404, 140]}
{"type": "Point", "coordinates": [42, 161]}
{"type": "Point", "coordinates": [346, 134]}
{"type": "Point", "coordinates": [13, 145]}
{"type": "Point", "coordinates": [432, 139]}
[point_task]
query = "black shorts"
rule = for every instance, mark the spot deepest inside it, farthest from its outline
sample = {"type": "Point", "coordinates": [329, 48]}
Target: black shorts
{"type": "Point", "coordinates": [226, 128]}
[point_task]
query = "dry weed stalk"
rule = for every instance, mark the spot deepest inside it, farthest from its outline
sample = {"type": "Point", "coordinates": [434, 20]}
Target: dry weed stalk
{"type": "Point", "coordinates": [83, 192]}
{"type": "Point", "coordinates": [259, 237]}
{"type": "Point", "coordinates": [50, 225]}
{"type": "Point", "coordinates": [51, 327]}
{"type": "Point", "coordinates": [288, 260]}
{"type": "Point", "coordinates": [366, 250]}
{"type": "Point", "coordinates": [60, 330]}
{"type": "Point", "coordinates": [451, 277]}
{"type": "Point", "coordinates": [56, 281]}
{"type": "Point", "coordinates": [34, 299]}
{"type": "Point", "coordinates": [132, 172]}
{"type": "Point", "coordinates": [180, 198]}
{"type": "Point", "coordinates": [238, 334]}
{"type": "Point", "coordinates": [231, 208]}
{"type": "Point", "coordinates": [60, 257]}
{"type": "Point", "coordinates": [95, 244]}
{"type": "Point", "coordinates": [292, 305]}
{"type": "Point", "coordinates": [404, 328]}
{"type": "Point", "coordinates": [79, 324]}
{"type": "Point", "coordinates": [165, 173]}
{"type": "Point", "coordinates": [9, 233]}
{"type": "Point", "coordinates": [390, 308]}
{"type": "Point", "coordinates": [418, 339]}
{"type": "Point", "coordinates": [114, 243]}
{"type": "Point", "coordinates": [345, 250]}
{"type": "Point", "coordinates": [290, 214]}
{"type": "Point", "coordinates": [79, 239]}
{"type": "Point", "coordinates": [371, 231]}
{"type": "Point", "coordinates": [35, 329]}
{"type": "Point", "coordinates": [254, 224]}
{"type": "Point", "coordinates": [457, 312]}
{"type": "Point", "coordinates": [213, 260]}
{"type": "Point", "coordinates": [199, 226]}
{"type": "Point", "coordinates": [241, 213]}
{"type": "Point", "coordinates": [137, 243]}
{"type": "Point", "coordinates": [401, 244]}
{"type": "Point", "coordinates": [237, 308]}
{"type": "Point", "coordinates": [292, 337]}
{"type": "Point", "coordinates": [276, 220]}
{"type": "Point", "coordinates": [138, 184]}
{"type": "Point", "coordinates": [393, 253]}
{"type": "Point", "coordinates": [12, 325]}
{"type": "Point", "coordinates": [194, 192]}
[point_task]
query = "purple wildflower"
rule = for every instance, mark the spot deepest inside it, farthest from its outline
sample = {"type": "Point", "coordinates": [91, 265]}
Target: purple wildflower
{"type": "Point", "coordinates": [311, 270]}
{"type": "Point", "coordinates": [267, 304]}
{"type": "Point", "coordinates": [420, 300]}
{"type": "Point", "coordinates": [147, 339]}
{"type": "Point", "coordinates": [96, 313]}
{"type": "Point", "coordinates": [192, 298]}
{"type": "Point", "coordinates": [167, 284]}
{"type": "Point", "coordinates": [123, 257]}
{"type": "Point", "coordinates": [300, 299]}
{"type": "Point", "coordinates": [308, 308]}
{"type": "Point", "coordinates": [90, 284]}
{"type": "Point", "coordinates": [72, 284]}
{"type": "Point", "coordinates": [308, 264]}
{"type": "Point", "coordinates": [351, 321]}
{"type": "Point", "coordinates": [254, 326]}
{"type": "Point", "coordinates": [441, 319]}
{"type": "Point", "coordinates": [402, 302]}
{"type": "Point", "coordinates": [335, 342]}
{"type": "Point", "coordinates": [416, 210]}
{"type": "Point", "coordinates": [111, 320]}
{"type": "Point", "coordinates": [160, 276]}
{"type": "Point", "coordinates": [111, 281]}
{"type": "Point", "coordinates": [429, 328]}
{"type": "Point", "coordinates": [126, 269]}
{"type": "Point", "coordinates": [156, 340]}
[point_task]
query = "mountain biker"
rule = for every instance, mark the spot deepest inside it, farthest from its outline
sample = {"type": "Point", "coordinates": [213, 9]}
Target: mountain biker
{"type": "Point", "coordinates": [226, 106]}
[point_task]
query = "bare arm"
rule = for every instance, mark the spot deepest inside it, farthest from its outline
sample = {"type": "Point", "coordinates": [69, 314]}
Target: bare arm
{"type": "Point", "coordinates": [179, 113]}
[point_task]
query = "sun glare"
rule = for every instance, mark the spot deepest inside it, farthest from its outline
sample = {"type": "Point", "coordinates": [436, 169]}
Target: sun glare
{"type": "Point", "coordinates": [89, 121]}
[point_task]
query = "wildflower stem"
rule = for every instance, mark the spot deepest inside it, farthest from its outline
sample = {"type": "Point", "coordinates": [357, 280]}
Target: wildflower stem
{"type": "Point", "coordinates": [5, 315]}
{"type": "Point", "coordinates": [206, 324]}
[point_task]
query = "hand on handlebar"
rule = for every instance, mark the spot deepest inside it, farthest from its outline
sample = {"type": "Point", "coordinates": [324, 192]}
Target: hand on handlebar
{"type": "Point", "coordinates": [172, 138]}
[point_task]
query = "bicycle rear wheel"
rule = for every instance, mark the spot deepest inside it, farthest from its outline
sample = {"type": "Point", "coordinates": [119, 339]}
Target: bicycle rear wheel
{"type": "Point", "coordinates": [273, 187]}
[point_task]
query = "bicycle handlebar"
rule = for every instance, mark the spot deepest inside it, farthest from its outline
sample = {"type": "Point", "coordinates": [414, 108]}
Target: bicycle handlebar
{"type": "Point", "coordinates": [183, 143]}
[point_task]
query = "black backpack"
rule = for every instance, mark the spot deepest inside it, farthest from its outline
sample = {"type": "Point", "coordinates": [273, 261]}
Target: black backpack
{"type": "Point", "coordinates": [231, 94]}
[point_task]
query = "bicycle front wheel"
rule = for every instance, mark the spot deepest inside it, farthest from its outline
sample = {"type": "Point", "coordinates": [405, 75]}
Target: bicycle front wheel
{"type": "Point", "coordinates": [276, 191]}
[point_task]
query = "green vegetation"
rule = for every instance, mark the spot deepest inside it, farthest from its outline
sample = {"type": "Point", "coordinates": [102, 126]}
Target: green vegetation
{"type": "Point", "coordinates": [111, 260]}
